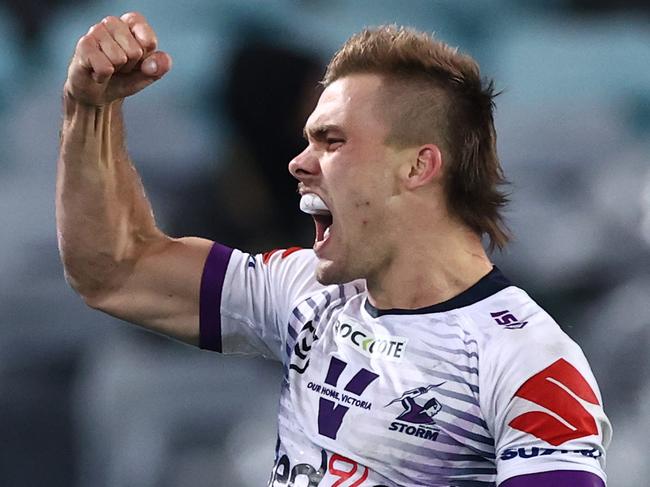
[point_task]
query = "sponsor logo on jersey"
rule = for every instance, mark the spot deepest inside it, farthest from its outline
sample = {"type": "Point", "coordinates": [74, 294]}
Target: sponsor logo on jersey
{"type": "Point", "coordinates": [347, 472]}
{"type": "Point", "coordinates": [420, 405]}
{"type": "Point", "coordinates": [533, 452]}
{"type": "Point", "coordinates": [555, 388]}
{"type": "Point", "coordinates": [354, 335]}
{"type": "Point", "coordinates": [507, 320]}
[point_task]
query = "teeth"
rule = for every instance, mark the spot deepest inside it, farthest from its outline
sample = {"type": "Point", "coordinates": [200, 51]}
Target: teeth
{"type": "Point", "coordinates": [313, 204]}
{"type": "Point", "coordinates": [326, 234]}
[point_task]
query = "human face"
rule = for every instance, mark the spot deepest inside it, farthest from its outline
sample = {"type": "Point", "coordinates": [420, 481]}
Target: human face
{"type": "Point", "coordinates": [347, 164]}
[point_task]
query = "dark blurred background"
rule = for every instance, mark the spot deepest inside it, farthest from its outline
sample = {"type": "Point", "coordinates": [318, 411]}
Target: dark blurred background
{"type": "Point", "coordinates": [86, 400]}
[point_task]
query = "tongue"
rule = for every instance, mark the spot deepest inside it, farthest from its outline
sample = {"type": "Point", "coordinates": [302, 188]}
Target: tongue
{"type": "Point", "coordinates": [313, 204]}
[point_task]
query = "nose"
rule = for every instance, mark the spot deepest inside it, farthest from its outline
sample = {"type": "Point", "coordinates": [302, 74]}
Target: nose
{"type": "Point", "coordinates": [305, 166]}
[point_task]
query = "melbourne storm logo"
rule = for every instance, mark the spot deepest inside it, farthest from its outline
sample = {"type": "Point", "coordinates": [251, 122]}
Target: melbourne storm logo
{"type": "Point", "coordinates": [420, 406]}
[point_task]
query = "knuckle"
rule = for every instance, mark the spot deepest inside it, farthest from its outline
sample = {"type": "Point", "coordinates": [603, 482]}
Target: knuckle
{"type": "Point", "coordinates": [94, 29]}
{"type": "Point", "coordinates": [132, 16]}
{"type": "Point", "coordinates": [85, 42]}
{"type": "Point", "coordinates": [77, 67]}
{"type": "Point", "coordinates": [119, 59]}
{"type": "Point", "coordinates": [110, 20]}
{"type": "Point", "coordinates": [136, 53]}
{"type": "Point", "coordinates": [151, 41]}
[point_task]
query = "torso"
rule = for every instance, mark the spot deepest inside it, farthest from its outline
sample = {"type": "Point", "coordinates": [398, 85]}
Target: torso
{"type": "Point", "coordinates": [395, 396]}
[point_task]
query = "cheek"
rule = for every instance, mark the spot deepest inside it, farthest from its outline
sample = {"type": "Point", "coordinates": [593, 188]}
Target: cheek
{"type": "Point", "coordinates": [363, 205]}
{"type": "Point", "coordinates": [367, 212]}
{"type": "Point", "coordinates": [364, 191]}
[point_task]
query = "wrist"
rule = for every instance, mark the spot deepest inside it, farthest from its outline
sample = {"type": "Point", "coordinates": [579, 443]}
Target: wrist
{"type": "Point", "coordinates": [72, 103]}
{"type": "Point", "coordinates": [74, 107]}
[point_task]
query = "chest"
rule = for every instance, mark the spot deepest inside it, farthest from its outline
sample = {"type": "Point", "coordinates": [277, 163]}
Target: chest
{"type": "Point", "coordinates": [401, 392]}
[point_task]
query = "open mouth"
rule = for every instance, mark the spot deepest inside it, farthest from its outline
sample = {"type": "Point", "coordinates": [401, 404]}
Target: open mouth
{"type": "Point", "coordinates": [313, 205]}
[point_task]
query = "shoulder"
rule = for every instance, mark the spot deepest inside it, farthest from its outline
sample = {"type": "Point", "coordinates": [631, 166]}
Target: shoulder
{"type": "Point", "coordinates": [290, 275]}
{"type": "Point", "coordinates": [517, 339]}
{"type": "Point", "coordinates": [268, 281]}
{"type": "Point", "coordinates": [527, 359]}
{"type": "Point", "coordinates": [511, 318]}
{"type": "Point", "coordinates": [284, 268]}
{"type": "Point", "coordinates": [295, 258]}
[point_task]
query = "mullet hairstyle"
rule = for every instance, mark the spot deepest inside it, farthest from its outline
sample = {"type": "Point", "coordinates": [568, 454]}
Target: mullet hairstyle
{"type": "Point", "coordinates": [434, 94]}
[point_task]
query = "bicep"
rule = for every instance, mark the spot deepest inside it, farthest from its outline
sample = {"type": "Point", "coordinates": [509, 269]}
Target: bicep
{"type": "Point", "coordinates": [161, 290]}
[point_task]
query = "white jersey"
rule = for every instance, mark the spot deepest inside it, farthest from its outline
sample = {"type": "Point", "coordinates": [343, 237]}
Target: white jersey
{"type": "Point", "coordinates": [469, 392]}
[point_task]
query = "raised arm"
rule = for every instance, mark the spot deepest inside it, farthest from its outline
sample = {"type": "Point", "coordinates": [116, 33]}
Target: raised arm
{"type": "Point", "coordinates": [113, 253]}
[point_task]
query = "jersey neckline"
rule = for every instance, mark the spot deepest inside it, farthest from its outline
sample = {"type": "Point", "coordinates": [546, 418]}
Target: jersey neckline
{"type": "Point", "coordinates": [493, 282]}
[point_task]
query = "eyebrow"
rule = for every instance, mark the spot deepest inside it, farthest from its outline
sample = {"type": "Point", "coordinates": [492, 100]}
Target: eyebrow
{"type": "Point", "coordinates": [318, 132]}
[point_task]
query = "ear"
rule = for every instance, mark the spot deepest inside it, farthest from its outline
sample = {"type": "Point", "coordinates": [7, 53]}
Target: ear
{"type": "Point", "coordinates": [426, 167]}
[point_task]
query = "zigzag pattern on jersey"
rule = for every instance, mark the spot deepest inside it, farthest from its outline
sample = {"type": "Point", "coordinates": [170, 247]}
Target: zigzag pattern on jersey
{"type": "Point", "coordinates": [306, 316]}
{"type": "Point", "coordinates": [464, 448]}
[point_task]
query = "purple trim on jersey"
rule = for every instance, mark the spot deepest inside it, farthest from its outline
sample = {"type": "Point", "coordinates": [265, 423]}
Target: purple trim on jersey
{"type": "Point", "coordinates": [214, 273]}
{"type": "Point", "coordinates": [557, 478]}
{"type": "Point", "coordinates": [493, 282]}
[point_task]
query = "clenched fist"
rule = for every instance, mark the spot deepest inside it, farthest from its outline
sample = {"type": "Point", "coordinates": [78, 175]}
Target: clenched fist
{"type": "Point", "coordinates": [115, 59]}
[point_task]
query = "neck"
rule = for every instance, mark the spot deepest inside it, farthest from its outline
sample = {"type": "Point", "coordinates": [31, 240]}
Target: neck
{"type": "Point", "coordinates": [431, 270]}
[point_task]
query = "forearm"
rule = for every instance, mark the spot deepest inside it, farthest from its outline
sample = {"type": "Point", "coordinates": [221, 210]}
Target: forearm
{"type": "Point", "coordinates": [104, 220]}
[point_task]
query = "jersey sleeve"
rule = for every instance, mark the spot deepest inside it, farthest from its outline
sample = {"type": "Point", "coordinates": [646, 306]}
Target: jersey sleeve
{"type": "Point", "coordinates": [246, 299]}
{"type": "Point", "coordinates": [540, 399]}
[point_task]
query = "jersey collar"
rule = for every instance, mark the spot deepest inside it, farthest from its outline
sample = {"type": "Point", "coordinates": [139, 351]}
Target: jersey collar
{"type": "Point", "coordinates": [490, 284]}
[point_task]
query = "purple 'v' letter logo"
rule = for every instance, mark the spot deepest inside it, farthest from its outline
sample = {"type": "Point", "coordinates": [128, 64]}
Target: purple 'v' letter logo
{"type": "Point", "coordinates": [330, 414]}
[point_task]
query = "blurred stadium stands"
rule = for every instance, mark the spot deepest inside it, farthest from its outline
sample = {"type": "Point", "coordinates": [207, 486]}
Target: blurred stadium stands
{"type": "Point", "coordinates": [88, 401]}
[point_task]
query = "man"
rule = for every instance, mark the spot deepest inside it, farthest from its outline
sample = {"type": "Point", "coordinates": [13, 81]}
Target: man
{"type": "Point", "coordinates": [408, 358]}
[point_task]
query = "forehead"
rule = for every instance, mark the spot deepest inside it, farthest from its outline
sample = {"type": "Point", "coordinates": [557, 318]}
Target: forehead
{"type": "Point", "coordinates": [349, 103]}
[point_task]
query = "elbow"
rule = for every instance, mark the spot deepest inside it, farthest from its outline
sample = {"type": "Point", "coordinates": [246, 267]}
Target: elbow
{"type": "Point", "coordinates": [90, 273]}
{"type": "Point", "coordinates": [83, 291]}
{"type": "Point", "coordinates": [90, 289]}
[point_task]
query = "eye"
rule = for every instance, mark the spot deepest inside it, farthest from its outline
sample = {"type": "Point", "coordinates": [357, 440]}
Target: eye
{"type": "Point", "coordinates": [333, 143]}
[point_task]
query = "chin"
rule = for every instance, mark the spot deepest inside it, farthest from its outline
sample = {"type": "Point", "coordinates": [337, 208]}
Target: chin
{"type": "Point", "coordinates": [329, 272]}
{"type": "Point", "coordinates": [325, 275]}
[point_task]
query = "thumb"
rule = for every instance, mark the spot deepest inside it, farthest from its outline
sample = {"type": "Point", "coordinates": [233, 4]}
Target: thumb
{"type": "Point", "coordinates": [156, 64]}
